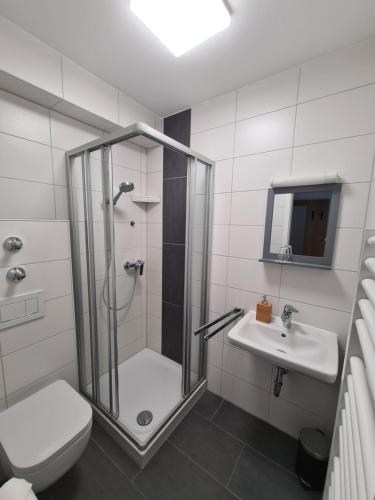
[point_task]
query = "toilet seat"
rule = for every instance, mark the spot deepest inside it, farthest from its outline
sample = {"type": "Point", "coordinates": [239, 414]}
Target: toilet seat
{"type": "Point", "coordinates": [39, 430]}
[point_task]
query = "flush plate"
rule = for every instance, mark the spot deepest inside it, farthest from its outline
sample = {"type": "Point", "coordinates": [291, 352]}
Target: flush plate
{"type": "Point", "coordinates": [21, 309]}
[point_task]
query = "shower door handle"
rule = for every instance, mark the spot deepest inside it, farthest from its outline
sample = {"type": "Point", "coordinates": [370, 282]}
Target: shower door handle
{"type": "Point", "coordinates": [233, 315]}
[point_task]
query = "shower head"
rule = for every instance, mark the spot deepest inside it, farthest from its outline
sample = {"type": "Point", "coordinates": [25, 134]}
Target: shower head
{"type": "Point", "coordinates": [124, 187]}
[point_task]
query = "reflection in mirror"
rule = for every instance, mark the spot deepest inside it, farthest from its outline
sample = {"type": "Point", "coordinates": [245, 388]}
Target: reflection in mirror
{"type": "Point", "coordinates": [301, 224]}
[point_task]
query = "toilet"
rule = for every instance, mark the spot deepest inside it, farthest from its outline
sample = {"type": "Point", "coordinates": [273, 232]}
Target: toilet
{"type": "Point", "coordinates": [44, 435]}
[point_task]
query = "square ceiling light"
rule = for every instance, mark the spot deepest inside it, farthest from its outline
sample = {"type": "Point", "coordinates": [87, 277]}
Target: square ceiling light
{"type": "Point", "coordinates": [182, 24]}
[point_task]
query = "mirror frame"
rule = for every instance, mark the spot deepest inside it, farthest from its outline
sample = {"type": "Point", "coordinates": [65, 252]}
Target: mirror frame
{"type": "Point", "coordinates": [324, 262]}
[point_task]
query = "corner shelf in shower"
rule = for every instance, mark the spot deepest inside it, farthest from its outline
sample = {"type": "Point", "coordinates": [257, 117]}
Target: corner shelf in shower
{"type": "Point", "coordinates": [139, 198]}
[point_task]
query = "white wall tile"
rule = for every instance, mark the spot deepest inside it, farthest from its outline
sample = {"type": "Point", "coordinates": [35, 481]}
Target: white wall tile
{"type": "Point", "coordinates": [53, 234]}
{"type": "Point", "coordinates": [352, 158]}
{"type": "Point", "coordinates": [213, 113]}
{"type": "Point", "coordinates": [221, 208]}
{"type": "Point", "coordinates": [24, 159]}
{"type": "Point", "coordinates": [291, 419]}
{"type": "Point", "coordinates": [27, 365]}
{"type": "Point", "coordinates": [154, 333]}
{"type": "Point", "coordinates": [69, 373]}
{"type": "Point", "coordinates": [256, 171]}
{"type": "Point", "coordinates": [214, 379]}
{"type": "Point", "coordinates": [216, 144]}
{"type": "Point", "coordinates": [370, 220]}
{"type": "Point", "coordinates": [23, 118]}
{"type": "Point", "coordinates": [275, 92]}
{"type": "Point", "coordinates": [253, 276]}
{"type": "Point", "coordinates": [223, 176]}
{"type": "Point", "coordinates": [249, 208]}
{"type": "Point", "coordinates": [127, 155]}
{"type": "Point", "coordinates": [220, 239]}
{"type": "Point", "coordinates": [248, 300]}
{"type": "Point", "coordinates": [59, 167]}
{"type": "Point", "coordinates": [154, 259]}
{"type": "Point", "coordinates": [61, 201]}
{"type": "Point", "coordinates": [247, 396]}
{"type": "Point", "coordinates": [265, 133]}
{"type": "Point", "coordinates": [219, 265]}
{"type": "Point", "coordinates": [89, 92]}
{"type": "Point", "coordinates": [353, 204]}
{"type": "Point", "coordinates": [217, 298]}
{"type": "Point", "coordinates": [340, 70]}
{"type": "Point", "coordinates": [215, 353]}
{"type": "Point", "coordinates": [154, 305]}
{"type": "Point", "coordinates": [246, 241]}
{"type": "Point", "coordinates": [333, 289]}
{"type": "Point", "coordinates": [53, 278]}
{"type": "Point", "coordinates": [246, 366]}
{"type": "Point", "coordinates": [29, 59]}
{"type": "Point", "coordinates": [348, 246]}
{"type": "Point", "coordinates": [2, 387]}
{"type": "Point", "coordinates": [58, 317]}
{"type": "Point", "coordinates": [131, 112]}
{"type": "Point", "coordinates": [154, 235]}
{"type": "Point", "coordinates": [310, 394]}
{"type": "Point", "coordinates": [67, 133]}
{"type": "Point", "coordinates": [26, 200]}
{"type": "Point", "coordinates": [341, 115]}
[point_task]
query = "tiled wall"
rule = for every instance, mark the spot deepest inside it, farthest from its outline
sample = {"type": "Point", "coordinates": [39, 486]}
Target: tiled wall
{"type": "Point", "coordinates": [316, 118]}
{"type": "Point", "coordinates": [33, 205]}
{"type": "Point", "coordinates": [154, 183]}
{"type": "Point", "coordinates": [174, 221]}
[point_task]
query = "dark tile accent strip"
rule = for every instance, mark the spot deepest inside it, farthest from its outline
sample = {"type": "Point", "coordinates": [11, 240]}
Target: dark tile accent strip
{"type": "Point", "coordinates": [174, 221]}
{"type": "Point", "coordinates": [173, 277]}
{"type": "Point", "coordinates": [174, 211]}
{"type": "Point", "coordinates": [173, 320]}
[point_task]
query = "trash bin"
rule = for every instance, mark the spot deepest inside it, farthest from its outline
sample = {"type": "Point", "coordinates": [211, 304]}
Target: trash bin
{"type": "Point", "coordinates": [312, 458]}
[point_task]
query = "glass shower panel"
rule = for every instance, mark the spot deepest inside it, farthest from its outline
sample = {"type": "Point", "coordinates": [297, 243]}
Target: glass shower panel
{"type": "Point", "coordinates": [199, 196]}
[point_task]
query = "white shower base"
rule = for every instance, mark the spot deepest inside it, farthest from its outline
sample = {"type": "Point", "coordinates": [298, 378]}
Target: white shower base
{"type": "Point", "coordinates": [147, 381]}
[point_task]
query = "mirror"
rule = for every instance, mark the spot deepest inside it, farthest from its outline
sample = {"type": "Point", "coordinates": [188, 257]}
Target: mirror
{"type": "Point", "coordinates": [301, 225]}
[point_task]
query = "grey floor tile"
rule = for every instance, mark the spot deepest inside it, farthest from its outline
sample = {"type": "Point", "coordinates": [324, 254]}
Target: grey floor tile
{"type": "Point", "coordinates": [113, 450]}
{"type": "Point", "coordinates": [170, 475]}
{"type": "Point", "coordinates": [94, 477]}
{"type": "Point", "coordinates": [258, 434]}
{"type": "Point", "coordinates": [208, 404]}
{"type": "Point", "coordinates": [213, 449]}
{"type": "Point", "coordinates": [257, 478]}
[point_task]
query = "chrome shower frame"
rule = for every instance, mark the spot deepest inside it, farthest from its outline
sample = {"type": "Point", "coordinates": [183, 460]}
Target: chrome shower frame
{"type": "Point", "coordinates": [108, 416]}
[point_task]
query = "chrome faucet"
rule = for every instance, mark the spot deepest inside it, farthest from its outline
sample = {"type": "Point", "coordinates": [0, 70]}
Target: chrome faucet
{"type": "Point", "coordinates": [286, 316]}
{"type": "Point", "coordinates": [138, 265]}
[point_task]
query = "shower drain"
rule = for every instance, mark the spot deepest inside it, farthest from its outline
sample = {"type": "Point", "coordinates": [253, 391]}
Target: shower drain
{"type": "Point", "coordinates": [144, 417]}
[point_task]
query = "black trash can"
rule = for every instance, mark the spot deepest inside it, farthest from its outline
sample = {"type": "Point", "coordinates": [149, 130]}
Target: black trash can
{"type": "Point", "coordinates": [312, 458]}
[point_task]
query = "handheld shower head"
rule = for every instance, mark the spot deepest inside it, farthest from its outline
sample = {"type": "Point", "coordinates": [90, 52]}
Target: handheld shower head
{"type": "Point", "coordinates": [124, 187]}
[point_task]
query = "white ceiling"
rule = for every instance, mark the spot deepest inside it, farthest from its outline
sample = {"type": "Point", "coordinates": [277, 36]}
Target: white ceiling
{"type": "Point", "coordinates": [265, 36]}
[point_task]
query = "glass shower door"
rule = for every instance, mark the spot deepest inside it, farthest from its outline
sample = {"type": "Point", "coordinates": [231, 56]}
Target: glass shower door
{"type": "Point", "coordinates": [196, 270]}
{"type": "Point", "coordinates": [91, 210]}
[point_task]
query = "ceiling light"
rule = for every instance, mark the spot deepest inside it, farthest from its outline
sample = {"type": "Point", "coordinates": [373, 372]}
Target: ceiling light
{"type": "Point", "coordinates": [182, 24]}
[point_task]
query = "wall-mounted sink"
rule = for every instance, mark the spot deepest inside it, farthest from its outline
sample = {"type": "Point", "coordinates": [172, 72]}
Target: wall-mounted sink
{"type": "Point", "coordinates": [303, 348]}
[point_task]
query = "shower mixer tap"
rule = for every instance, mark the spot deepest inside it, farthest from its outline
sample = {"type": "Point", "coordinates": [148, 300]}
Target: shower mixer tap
{"type": "Point", "coordinates": [137, 265]}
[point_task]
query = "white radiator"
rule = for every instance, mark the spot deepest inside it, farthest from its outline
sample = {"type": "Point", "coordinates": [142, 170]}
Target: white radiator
{"type": "Point", "coordinates": [351, 473]}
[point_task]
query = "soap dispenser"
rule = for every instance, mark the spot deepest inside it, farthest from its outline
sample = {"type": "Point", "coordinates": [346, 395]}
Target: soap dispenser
{"type": "Point", "coordinates": [264, 311]}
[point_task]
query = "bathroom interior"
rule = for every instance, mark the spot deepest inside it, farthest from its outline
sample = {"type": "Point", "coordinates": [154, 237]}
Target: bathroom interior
{"type": "Point", "coordinates": [187, 266]}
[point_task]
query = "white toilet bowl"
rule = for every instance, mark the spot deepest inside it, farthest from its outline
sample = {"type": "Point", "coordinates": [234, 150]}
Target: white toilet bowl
{"type": "Point", "coordinates": [42, 436]}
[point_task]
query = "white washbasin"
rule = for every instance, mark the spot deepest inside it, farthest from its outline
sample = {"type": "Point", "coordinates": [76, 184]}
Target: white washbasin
{"type": "Point", "coordinates": [303, 348]}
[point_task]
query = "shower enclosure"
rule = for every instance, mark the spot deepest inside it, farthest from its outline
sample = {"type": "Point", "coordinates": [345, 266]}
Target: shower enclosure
{"type": "Point", "coordinates": [138, 391]}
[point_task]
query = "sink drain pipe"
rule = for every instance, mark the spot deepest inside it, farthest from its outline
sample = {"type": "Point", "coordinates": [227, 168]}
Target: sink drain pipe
{"type": "Point", "coordinates": [278, 374]}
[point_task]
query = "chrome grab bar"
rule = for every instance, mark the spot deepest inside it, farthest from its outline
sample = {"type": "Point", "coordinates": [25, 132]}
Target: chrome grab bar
{"type": "Point", "coordinates": [235, 313]}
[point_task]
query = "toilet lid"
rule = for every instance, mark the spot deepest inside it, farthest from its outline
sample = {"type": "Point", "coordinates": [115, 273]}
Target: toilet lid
{"type": "Point", "coordinates": [37, 428]}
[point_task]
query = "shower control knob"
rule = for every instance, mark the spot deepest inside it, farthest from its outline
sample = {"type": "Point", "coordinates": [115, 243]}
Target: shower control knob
{"type": "Point", "coordinates": [16, 274]}
{"type": "Point", "coordinates": [13, 244]}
